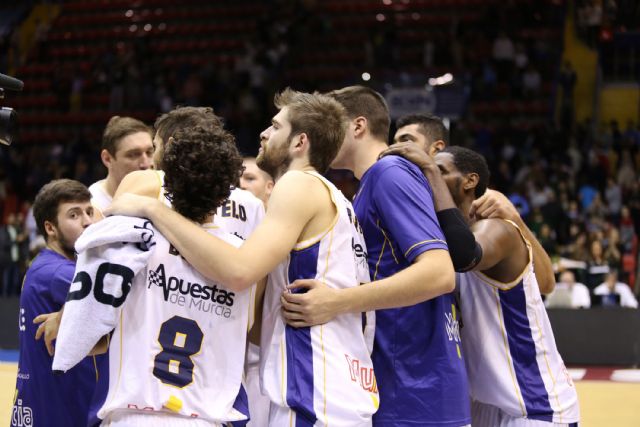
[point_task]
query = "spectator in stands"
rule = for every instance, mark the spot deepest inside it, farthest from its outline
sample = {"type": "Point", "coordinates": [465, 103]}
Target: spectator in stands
{"type": "Point", "coordinates": [627, 230]}
{"type": "Point", "coordinates": [531, 82]}
{"type": "Point", "coordinates": [11, 237]}
{"type": "Point", "coordinates": [576, 292]}
{"type": "Point", "coordinates": [597, 266]}
{"type": "Point", "coordinates": [613, 197]}
{"type": "Point", "coordinates": [611, 286]}
{"type": "Point", "coordinates": [127, 146]}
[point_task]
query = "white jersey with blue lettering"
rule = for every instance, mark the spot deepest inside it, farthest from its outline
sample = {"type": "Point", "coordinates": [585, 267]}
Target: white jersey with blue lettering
{"type": "Point", "coordinates": [180, 342]}
{"type": "Point", "coordinates": [324, 373]}
{"type": "Point", "coordinates": [239, 215]}
{"type": "Point", "coordinates": [510, 352]}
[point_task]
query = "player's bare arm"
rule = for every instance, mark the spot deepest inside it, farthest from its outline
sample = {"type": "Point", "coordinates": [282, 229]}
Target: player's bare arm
{"type": "Point", "coordinates": [431, 275]}
{"type": "Point", "coordinates": [494, 204]}
{"type": "Point", "coordinates": [504, 254]}
{"type": "Point", "coordinates": [294, 203]}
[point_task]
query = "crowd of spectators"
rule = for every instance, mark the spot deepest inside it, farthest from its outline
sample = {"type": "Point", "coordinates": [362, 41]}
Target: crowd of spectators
{"type": "Point", "coordinates": [575, 183]}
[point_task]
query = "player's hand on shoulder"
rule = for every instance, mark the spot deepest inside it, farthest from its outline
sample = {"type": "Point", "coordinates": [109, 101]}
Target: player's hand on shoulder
{"type": "Point", "coordinates": [493, 204]}
{"type": "Point", "coordinates": [313, 307]}
{"type": "Point", "coordinates": [131, 205]}
{"type": "Point", "coordinates": [413, 153]}
{"type": "Point", "coordinates": [49, 326]}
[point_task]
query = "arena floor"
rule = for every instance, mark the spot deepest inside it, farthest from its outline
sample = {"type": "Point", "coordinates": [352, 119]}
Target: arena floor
{"type": "Point", "coordinates": [602, 403]}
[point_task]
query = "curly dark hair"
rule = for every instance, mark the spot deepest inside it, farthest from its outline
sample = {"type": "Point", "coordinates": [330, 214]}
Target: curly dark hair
{"type": "Point", "coordinates": [200, 165]}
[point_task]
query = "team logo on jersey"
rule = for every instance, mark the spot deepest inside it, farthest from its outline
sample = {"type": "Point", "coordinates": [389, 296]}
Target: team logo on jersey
{"type": "Point", "coordinates": [21, 321]}
{"type": "Point", "coordinates": [147, 234]}
{"type": "Point", "coordinates": [362, 375]}
{"type": "Point", "coordinates": [452, 326]}
{"type": "Point", "coordinates": [194, 295]}
{"type": "Point", "coordinates": [22, 416]}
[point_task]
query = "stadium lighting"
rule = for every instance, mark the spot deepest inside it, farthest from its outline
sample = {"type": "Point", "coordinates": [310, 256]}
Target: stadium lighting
{"type": "Point", "coordinates": [366, 77]}
{"type": "Point", "coordinates": [442, 80]}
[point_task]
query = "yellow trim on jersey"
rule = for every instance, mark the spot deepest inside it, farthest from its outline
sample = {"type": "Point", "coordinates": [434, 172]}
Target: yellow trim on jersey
{"type": "Point", "coordinates": [384, 234]}
{"type": "Point", "coordinates": [375, 274]}
{"type": "Point", "coordinates": [313, 240]}
{"type": "Point", "coordinates": [282, 381]}
{"type": "Point", "coordinates": [324, 357]}
{"type": "Point", "coordinates": [406, 254]}
{"type": "Point", "coordinates": [508, 354]}
{"type": "Point", "coordinates": [546, 360]}
{"type": "Point", "coordinates": [95, 366]}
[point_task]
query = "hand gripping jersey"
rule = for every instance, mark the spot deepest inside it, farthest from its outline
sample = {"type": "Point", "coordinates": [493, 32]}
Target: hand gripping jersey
{"type": "Point", "coordinates": [179, 339]}
{"type": "Point", "coordinates": [510, 352]}
{"type": "Point", "coordinates": [323, 373]}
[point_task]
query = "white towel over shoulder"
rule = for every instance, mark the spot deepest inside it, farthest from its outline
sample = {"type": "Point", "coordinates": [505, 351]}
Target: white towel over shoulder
{"type": "Point", "coordinates": [110, 253]}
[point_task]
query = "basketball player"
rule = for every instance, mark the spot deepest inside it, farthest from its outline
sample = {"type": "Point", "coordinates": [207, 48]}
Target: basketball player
{"type": "Point", "coordinates": [429, 135]}
{"type": "Point", "coordinates": [314, 376]}
{"type": "Point", "coordinates": [255, 180]}
{"type": "Point", "coordinates": [175, 360]}
{"type": "Point", "coordinates": [417, 355]}
{"type": "Point", "coordinates": [126, 147]}
{"type": "Point", "coordinates": [239, 214]}
{"type": "Point", "coordinates": [516, 375]}
{"type": "Point", "coordinates": [62, 210]}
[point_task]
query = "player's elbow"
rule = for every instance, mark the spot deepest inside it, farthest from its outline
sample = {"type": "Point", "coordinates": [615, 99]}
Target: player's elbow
{"type": "Point", "coordinates": [239, 280]}
{"type": "Point", "coordinates": [547, 286]}
{"type": "Point", "coordinates": [447, 280]}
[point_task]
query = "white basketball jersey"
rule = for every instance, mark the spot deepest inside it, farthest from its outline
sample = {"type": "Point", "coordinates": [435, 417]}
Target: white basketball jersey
{"type": "Point", "coordinates": [239, 215]}
{"type": "Point", "coordinates": [100, 199]}
{"type": "Point", "coordinates": [180, 341]}
{"type": "Point", "coordinates": [323, 373]}
{"type": "Point", "coordinates": [510, 352]}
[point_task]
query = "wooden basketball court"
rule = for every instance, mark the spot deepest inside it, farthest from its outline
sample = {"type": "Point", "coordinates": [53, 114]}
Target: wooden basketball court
{"type": "Point", "coordinates": [602, 403]}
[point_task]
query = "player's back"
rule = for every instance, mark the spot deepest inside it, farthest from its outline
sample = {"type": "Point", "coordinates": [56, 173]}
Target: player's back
{"type": "Point", "coordinates": [324, 372]}
{"type": "Point", "coordinates": [510, 352]}
{"type": "Point", "coordinates": [180, 341]}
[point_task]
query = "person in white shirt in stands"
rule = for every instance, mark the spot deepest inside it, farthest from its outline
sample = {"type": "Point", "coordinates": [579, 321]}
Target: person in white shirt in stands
{"type": "Point", "coordinates": [612, 286]}
{"type": "Point", "coordinates": [577, 292]}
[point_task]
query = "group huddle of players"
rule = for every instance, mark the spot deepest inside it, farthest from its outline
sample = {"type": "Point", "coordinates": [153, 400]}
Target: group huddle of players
{"type": "Point", "coordinates": [175, 298]}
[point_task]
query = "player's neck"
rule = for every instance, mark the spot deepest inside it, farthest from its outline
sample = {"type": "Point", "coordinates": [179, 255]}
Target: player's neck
{"type": "Point", "coordinates": [302, 165]}
{"type": "Point", "coordinates": [366, 156]}
{"type": "Point", "coordinates": [110, 185]}
{"type": "Point", "coordinates": [55, 246]}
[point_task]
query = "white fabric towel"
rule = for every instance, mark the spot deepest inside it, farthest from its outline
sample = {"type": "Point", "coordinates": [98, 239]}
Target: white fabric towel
{"type": "Point", "coordinates": [110, 253]}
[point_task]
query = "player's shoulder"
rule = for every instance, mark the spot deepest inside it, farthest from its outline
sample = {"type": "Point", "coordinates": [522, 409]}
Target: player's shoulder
{"type": "Point", "coordinates": [392, 167]}
{"type": "Point", "coordinates": [222, 234]}
{"type": "Point", "coordinates": [142, 182]}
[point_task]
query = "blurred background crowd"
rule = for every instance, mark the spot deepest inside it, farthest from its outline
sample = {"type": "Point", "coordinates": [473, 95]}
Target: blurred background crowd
{"type": "Point", "coordinates": [528, 83]}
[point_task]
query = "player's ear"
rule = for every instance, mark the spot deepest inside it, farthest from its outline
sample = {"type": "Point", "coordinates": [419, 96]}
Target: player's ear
{"type": "Point", "coordinates": [435, 147]}
{"type": "Point", "coordinates": [106, 158]}
{"type": "Point", "coordinates": [471, 181]}
{"type": "Point", "coordinates": [359, 126]}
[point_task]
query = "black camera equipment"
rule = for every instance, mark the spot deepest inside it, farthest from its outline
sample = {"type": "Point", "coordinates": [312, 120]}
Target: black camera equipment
{"type": "Point", "coordinates": [8, 117]}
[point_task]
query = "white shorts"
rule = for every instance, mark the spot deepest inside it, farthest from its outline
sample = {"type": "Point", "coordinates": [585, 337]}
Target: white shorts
{"type": "Point", "coordinates": [483, 415]}
{"type": "Point", "coordinates": [280, 416]}
{"type": "Point", "coordinates": [127, 418]}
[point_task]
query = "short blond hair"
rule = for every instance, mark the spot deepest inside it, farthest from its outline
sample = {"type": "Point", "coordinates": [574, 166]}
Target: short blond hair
{"type": "Point", "coordinates": [319, 116]}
